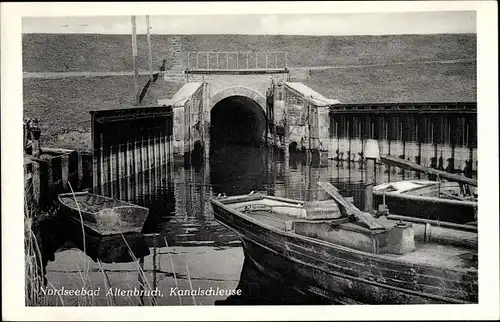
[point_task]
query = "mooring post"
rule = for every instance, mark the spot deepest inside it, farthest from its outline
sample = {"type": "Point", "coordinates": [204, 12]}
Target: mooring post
{"type": "Point", "coordinates": [35, 148]}
{"type": "Point", "coordinates": [79, 168]}
{"type": "Point", "coordinates": [286, 138]}
{"type": "Point", "coordinates": [65, 171]}
{"type": "Point", "coordinates": [371, 155]}
{"type": "Point", "coordinates": [206, 120]}
{"type": "Point", "coordinates": [150, 50]}
{"type": "Point", "coordinates": [135, 62]}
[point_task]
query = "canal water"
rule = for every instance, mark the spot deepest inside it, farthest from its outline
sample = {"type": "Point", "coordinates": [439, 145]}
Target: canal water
{"type": "Point", "coordinates": [191, 250]}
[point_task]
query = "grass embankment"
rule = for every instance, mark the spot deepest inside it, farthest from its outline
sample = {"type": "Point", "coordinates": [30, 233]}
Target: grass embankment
{"type": "Point", "coordinates": [63, 105]}
{"type": "Point", "coordinates": [398, 83]}
{"type": "Point", "coordinates": [98, 53]}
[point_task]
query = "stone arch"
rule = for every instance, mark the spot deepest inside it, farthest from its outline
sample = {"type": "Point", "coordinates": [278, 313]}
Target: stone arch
{"type": "Point", "coordinates": [239, 91]}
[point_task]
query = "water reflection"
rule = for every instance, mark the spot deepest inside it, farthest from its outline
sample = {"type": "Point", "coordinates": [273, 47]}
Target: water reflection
{"type": "Point", "coordinates": [181, 215]}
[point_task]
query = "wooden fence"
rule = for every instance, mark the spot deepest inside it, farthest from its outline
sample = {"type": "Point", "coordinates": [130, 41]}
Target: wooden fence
{"type": "Point", "coordinates": [131, 150]}
{"type": "Point", "coordinates": [52, 173]}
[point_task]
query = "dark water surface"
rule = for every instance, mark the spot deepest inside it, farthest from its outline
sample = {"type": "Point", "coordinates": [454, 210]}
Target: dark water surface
{"type": "Point", "coordinates": [192, 249]}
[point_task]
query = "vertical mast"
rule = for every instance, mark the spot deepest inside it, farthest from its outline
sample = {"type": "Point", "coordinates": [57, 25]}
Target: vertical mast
{"type": "Point", "coordinates": [150, 53]}
{"type": "Point", "coordinates": [134, 61]}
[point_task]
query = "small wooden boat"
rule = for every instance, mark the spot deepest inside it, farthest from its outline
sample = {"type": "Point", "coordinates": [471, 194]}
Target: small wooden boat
{"type": "Point", "coordinates": [453, 201]}
{"type": "Point", "coordinates": [432, 200]}
{"type": "Point", "coordinates": [333, 250]}
{"type": "Point", "coordinates": [102, 216]}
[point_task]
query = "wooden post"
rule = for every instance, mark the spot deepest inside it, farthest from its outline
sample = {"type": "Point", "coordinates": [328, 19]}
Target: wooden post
{"type": "Point", "coordinates": [201, 116]}
{"type": "Point", "coordinates": [79, 169]}
{"type": "Point", "coordinates": [130, 170]}
{"type": "Point", "coordinates": [142, 160]}
{"type": "Point", "coordinates": [123, 171]}
{"type": "Point", "coordinates": [150, 50]}
{"type": "Point", "coordinates": [237, 60]}
{"type": "Point", "coordinates": [287, 134]}
{"type": "Point", "coordinates": [206, 121]}
{"type": "Point", "coordinates": [217, 57]}
{"type": "Point", "coordinates": [161, 156]}
{"type": "Point", "coordinates": [247, 60]}
{"type": "Point", "coordinates": [188, 60]}
{"type": "Point", "coordinates": [309, 119]}
{"type": "Point", "coordinates": [155, 161]}
{"type": "Point", "coordinates": [371, 155]}
{"type": "Point", "coordinates": [102, 167]}
{"type": "Point", "coordinates": [65, 171]}
{"type": "Point", "coordinates": [135, 157]}
{"type": "Point", "coordinates": [227, 60]}
{"type": "Point", "coordinates": [256, 60]}
{"type": "Point", "coordinates": [112, 170]}
{"type": "Point", "coordinates": [197, 60]}
{"type": "Point", "coordinates": [134, 62]}
{"type": "Point", "coordinates": [286, 60]}
{"type": "Point", "coordinates": [266, 60]}
{"type": "Point", "coordinates": [276, 60]}
{"type": "Point", "coordinates": [208, 61]}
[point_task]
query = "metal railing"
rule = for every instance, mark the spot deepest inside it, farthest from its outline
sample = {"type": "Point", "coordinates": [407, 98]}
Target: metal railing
{"type": "Point", "coordinates": [236, 60]}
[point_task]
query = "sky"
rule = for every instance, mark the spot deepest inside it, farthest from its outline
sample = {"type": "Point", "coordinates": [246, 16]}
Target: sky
{"type": "Point", "coordinates": [437, 22]}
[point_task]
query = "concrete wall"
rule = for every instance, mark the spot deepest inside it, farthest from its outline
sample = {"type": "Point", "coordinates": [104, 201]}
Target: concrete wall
{"type": "Point", "coordinates": [187, 123]}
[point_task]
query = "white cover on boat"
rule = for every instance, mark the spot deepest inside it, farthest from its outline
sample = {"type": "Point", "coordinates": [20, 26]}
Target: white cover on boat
{"type": "Point", "coordinates": [403, 186]}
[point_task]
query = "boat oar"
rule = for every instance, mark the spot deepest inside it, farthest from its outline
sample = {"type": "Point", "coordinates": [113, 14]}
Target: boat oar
{"type": "Point", "coordinates": [350, 209]}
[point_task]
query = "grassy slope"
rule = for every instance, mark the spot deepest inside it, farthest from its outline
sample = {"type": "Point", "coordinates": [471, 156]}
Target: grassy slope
{"type": "Point", "coordinates": [62, 105]}
{"type": "Point", "coordinates": [398, 83]}
{"type": "Point", "coordinates": [72, 52]}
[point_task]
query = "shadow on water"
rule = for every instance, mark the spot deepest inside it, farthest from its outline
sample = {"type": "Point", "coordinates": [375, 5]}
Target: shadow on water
{"type": "Point", "coordinates": [257, 289]}
{"type": "Point", "coordinates": [58, 234]}
{"type": "Point", "coordinates": [238, 169]}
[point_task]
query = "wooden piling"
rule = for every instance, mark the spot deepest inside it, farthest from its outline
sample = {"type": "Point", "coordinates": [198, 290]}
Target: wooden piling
{"type": "Point", "coordinates": [79, 168]}
{"type": "Point", "coordinates": [135, 62]}
{"type": "Point", "coordinates": [112, 172]}
{"type": "Point", "coordinates": [122, 174]}
{"type": "Point", "coordinates": [135, 157]}
{"type": "Point", "coordinates": [371, 154]}
{"type": "Point", "coordinates": [161, 144]}
{"type": "Point", "coordinates": [65, 171]}
{"type": "Point", "coordinates": [150, 164]}
{"type": "Point", "coordinates": [130, 170]}
{"type": "Point", "coordinates": [142, 160]}
{"type": "Point", "coordinates": [157, 166]}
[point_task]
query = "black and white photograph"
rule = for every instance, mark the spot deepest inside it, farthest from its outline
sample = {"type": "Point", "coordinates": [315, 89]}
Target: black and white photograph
{"type": "Point", "coordinates": [180, 155]}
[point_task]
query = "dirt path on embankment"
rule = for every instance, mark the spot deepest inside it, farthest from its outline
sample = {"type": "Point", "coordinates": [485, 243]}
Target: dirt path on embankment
{"type": "Point", "coordinates": [142, 73]}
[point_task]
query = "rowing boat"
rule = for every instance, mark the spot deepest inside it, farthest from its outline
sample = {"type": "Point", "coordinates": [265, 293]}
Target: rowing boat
{"type": "Point", "coordinates": [102, 216]}
{"type": "Point", "coordinates": [345, 256]}
{"type": "Point", "coordinates": [434, 200]}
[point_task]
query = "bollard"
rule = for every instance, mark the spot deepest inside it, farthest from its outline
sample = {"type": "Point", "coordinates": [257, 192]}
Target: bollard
{"type": "Point", "coordinates": [371, 152]}
{"type": "Point", "coordinates": [35, 152]}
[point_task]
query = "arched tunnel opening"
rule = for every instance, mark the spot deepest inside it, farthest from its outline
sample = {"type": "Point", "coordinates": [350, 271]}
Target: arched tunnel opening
{"type": "Point", "coordinates": [237, 120]}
